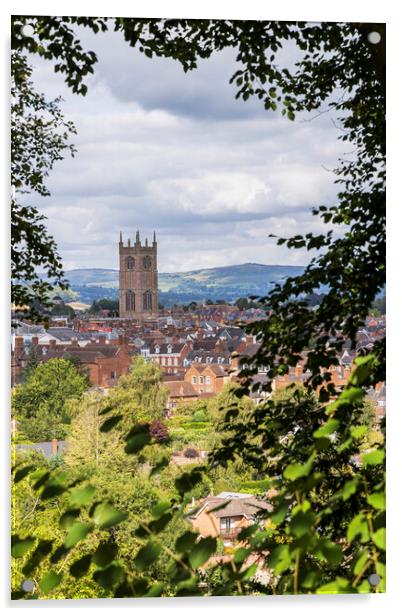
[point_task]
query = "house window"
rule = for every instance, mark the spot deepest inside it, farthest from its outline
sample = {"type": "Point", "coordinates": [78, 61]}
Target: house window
{"type": "Point", "coordinates": [225, 524]}
{"type": "Point", "coordinates": [169, 361]}
{"type": "Point", "coordinates": [175, 361]}
{"type": "Point", "coordinates": [201, 379]}
{"type": "Point", "coordinates": [163, 361]}
{"type": "Point", "coordinates": [113, 374]}
{"type": "Point", "coordinates": [208, 380]}
{"type": "Point", "coordinates": [194, 380]}
{"type": "Point", "coordinates": [157, 349]}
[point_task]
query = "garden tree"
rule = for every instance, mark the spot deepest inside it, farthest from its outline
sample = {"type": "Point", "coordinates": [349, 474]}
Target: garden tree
{"type": "Point", "coordinates": [242, 303]}
{"type": "Point", "coordinates": [330, 502]}
{"type": "Point", "coordinates": [39, 405]}
{"type": "Point", "coordinates": [39, 137]}
{"type": "Point", "coordinates": [76, 362]}
{"type": "Point", "coordinates": [219, 404]}
{"type": "Point", "coordinates": [31, 364]}
{"type": "Point", "coordinates": [62, 310]}
{"type": "Point", "coordinates": [140, 396]}
{"type": "Point", "coordinates": [104, 304]}
{"type": "Point", "coordinates": [378, 307]}
{"type": "Point", "coordinates": [86, 443]}
{"type": "Point", "coordinates": [159, 431]}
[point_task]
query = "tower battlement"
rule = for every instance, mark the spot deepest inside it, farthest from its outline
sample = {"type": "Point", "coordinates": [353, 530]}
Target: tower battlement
{"type": "Point", "coordinates": [138, 278]}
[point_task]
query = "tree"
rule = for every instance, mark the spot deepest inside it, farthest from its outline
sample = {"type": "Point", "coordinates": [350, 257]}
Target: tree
{"type": "Point", "coordinates": [159, 431]}
{"type": "Point", "coordinates": [40, 404]}
{"type": "Point", "coordinates": [86, 443]}
{"type": "Point", "coordinates": [330, 502]}
{"type": "Point", "coordinates": [140, 395]}
{"type": "Point", "coordinates": [62, 310]}
{"type": "Point", "coordinates": [31, 364]}
{"type": "Point", "coordinates": [39, 138]}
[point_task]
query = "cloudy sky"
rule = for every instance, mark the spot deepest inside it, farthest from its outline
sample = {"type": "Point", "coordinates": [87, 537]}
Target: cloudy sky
{"type": "Point", "coordinates": [161, 149]}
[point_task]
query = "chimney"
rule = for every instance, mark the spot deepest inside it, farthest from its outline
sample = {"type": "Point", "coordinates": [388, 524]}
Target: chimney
{"type": "Point", "coordinates": [102, 339]}
{"type": "Point", "coordinates": [54, 447]}
{"type": "Point", "coordinates": [52, 344]}
{"type": "Point", "coordinates": [35, 340]}
{"type": "Point", "coordinates": [74, 342]}
{"type": "Point", "coordinates": [19, 343]}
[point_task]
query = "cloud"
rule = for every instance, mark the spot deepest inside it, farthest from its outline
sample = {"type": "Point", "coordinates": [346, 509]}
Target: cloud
{"type": "Point", "coordinates": [160, 149]}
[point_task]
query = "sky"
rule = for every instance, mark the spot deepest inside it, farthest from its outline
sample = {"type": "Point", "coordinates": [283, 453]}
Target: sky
{"type": "Point", "coordinates": [160, 149]}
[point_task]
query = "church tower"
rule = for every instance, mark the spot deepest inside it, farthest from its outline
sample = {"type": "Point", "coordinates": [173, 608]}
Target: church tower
{"type": "Point", "coordinates": [138, 279]}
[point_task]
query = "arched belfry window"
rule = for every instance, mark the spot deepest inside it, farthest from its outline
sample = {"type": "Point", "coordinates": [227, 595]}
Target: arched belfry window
{"type": "Point", "coordinates": [147, 262]}
{"type": "Point", "coordinates": [147, 300]}
{"type": "Point", "coordinates": [130, 301]}
{"type": "Point", "coordinates": [130, 263]}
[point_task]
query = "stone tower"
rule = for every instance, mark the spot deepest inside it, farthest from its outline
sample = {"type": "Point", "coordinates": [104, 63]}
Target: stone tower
{"type": "Point", "coordinates": [138, 279]}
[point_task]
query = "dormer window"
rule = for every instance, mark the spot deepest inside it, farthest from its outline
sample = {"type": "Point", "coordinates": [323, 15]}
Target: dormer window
{"type": "Point", "coordinates": [169, 348]}
{"type": "Point", "coordinates": [157, 349]}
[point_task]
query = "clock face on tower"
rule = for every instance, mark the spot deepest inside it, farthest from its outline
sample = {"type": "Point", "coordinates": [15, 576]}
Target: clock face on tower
{"type": "Point", "coordinates": [147, 262]}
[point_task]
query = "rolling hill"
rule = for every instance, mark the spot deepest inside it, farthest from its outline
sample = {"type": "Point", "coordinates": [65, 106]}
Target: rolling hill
{"type": "Point", "coordinates": [228, 282]}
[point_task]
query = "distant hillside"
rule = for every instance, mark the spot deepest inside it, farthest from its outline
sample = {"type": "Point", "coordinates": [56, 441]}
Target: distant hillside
{"type": "Point", "coordinates": [226, 283]}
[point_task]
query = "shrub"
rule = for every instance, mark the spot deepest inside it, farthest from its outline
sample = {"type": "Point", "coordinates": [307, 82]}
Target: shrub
{"type": "Point", "coordinates": [190, 453]}
{"type": "Point", "coordinates": [159, 431]}
{"type": "Point", "coordinates": [199, 416]}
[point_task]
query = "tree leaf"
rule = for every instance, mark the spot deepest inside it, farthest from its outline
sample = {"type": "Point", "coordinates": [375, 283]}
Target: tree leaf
{"type": "Point", "coordinates": [360, 562]}
{"type": "Point", "coordinates": [68, 518]}
{"type": "Point", "coordinates": [374, 457]}
{"type": "Point", "coordinates": [339, 586]}
{"type": "Point", "coordinates": [350, 488]}
{"type": "Point", "coordinates": [19, 546]}
{"type": "Point", "coordinates": [328, 428]}
{"type": "Point", "coordinates": [147, 555]}
{"type": "Point", "coordinates": [77, 533]}
{"type": "Point", "coordinates": [52, 489]}
{"type": "Point", "coordinates": [110, 576]}
{"type": "Point", "coordinates": [137, 438]}
{"type": "Point", "coordinates": [42, 550]}
{"type": "Point", "coordinates": [105, 516]}
{"type": "Point", "coordinates": [379, 538]}
{"type": "Point", "coordinates": [159, 466]}
{"type": "Point", "coordinates": [185, 542]}
{"type": "Point", "coordinates": [104, 554]}
{"type": "Point", "coordinates": [82, 496]}
{"type": "Point", "coordinates": [377, 500]}
{"type": "Point", "coordinates": [331, 551]}
{"type": "Point", "coordinates": [295, 471]}
{"type": "Point", "coordinates": [201, 551]}
{"type": "Point", "coordinates": [22, 472]}
{"type": "Point", "coordinates": [358, 526]}
{"type": "Point", "coordinates": [49, 581]}
{"type": "Point", "coordinates": [110, 423]}
{"type": "Point", "coordinates": [81, 566]}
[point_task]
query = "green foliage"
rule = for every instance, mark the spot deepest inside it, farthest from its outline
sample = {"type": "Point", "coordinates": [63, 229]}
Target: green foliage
{"type": "Point", "coordinates": [39, 405]}
{"type": "Point", "coordinates": [325, 533]}
{"type": "Point", "coordinates": [31, 364]}
{"type": "Point", "coordinates": [112, 306]}
{"type": "Point", "coordinates": [139, 396]}
{"type": "Point", "coordinates": [39, 137]}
